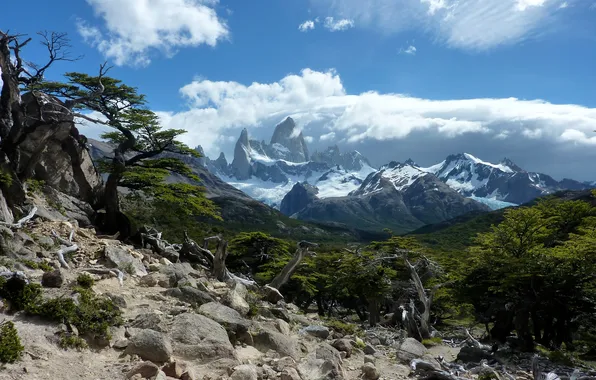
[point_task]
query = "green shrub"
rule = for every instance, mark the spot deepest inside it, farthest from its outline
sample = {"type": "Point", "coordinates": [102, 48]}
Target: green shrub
{"type": "Point", "coordinates": [10, 343]}
{"type": "Point", "coordinates": [488, 376]}
{"type": "Point", "coordinates": [20, 296]}
{"type": "Point", "coordinates": [5, 178]}
{"type": "Point", "coordinates": [85, 281]}
{"type": "Point", "coordinates": [34, 185]}
{"type": "Point", "coordinates": [431, 342]}
{"type": "Point", "coordinates": [72, 341]}
{"type": "Point", "coordinates": [342, 327]}
{"type": "Point", "coordinates": [38, 265]}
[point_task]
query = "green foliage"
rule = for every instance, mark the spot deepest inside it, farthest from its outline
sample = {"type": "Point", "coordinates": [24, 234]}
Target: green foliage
{"type": "Point", "coordinates": [10, 343]}
{"type": "Point", "coordinates": [342, 327]}
{"type": "Point", "coordinates": [72, 341]}
{"type": "Point", "coordinates": [260, 253]}
{"type": "Point", "coordinates": [19, 296]}
{"type": "Point", "coordinates": [38, 265]}
{"type": "Point", "coordinates": [5, 178]}
{"type": "Point", "coordinates": [540, 261]}
{"type": "Point", "coordinates": [85, 281]}
{"type": "Point", "coordinates": [488, 376]}
{"type": "Point", "coordinates": [34, 186]}
{"type": "Point", "coordinates": [431, 342]}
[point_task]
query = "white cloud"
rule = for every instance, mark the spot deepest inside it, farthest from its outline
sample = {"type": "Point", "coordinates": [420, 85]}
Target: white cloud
{"type": "Point", "coordinates": [564, 5]}
{"type": "Point", "coordinates": [134, 28]}
{"type": "Point", "coordinates": [325, 111]}
{"type": "Point", "coordinates": [309, 139]}
{"type": "Point", "coordinates": [306, 26]}
{"type": "Point", "coordinates": [411, 50]}
{"type": "Point", "coordinates": [466, 24]}
{"type": "Point", "coordinates": [338, 25]}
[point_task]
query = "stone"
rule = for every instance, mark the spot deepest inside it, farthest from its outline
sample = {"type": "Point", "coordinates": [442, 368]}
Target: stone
{"type": "Point", "coordinates": [174, 369]}
{"type": "Point", "coordinates": [369, 359]}
{"type": "Point", "coordinates": [410, 349]}
{"type": "Point", "coordinates": [236, 299]}
{"type": "Point", "coordinates": [120, 344]}
{"type": "Point", "coordinates": [53, 279]}
{"type": "Point", "coordinates": [369, 350]}
{"type": "Point", "coordinates": [145, 369]}
{"type": "Point", "coordinates": [283, 327]}
{"type": "Point", "coordinates": [244, 372]}
{"type": "Point", "coordinates": [236, 326]}
{"type": "Point", "coordinates": [370, 372]}
{"type": "Point", "coordinates": [323, 363]}
{"type": "Point", "coordinates": [165, 261]}
{"type": "Point", "coordinates": [197, 337]}
{"type": "Point", "coordinates": [469, 354]}
{"type": "Point", "coordinates": [151, 320]}
{"type": "Point", "coordinates": [117, 299]}
{"type": "Point", "coordinates": [160, 376]}
{"type": "Point", "coordinates": [283, 363]}
{"type": "Point", "coordinates": [280, 313]}
{"type": "Point", "coordinates": [343, 345]}
{"type": "Point", "coordinates": [321, 332]}
{"type": "Point", "coordinates": [290, 374]}
{"type": "Point", "coordinates": [155, 279]}
{"type": "Point", "coordinates": [272, 295]}
{"type": "Point", "coordinates": [150, 345]}
{"type": "Point", "coordinates": [266, 339]}
{"type": "Point", "coordinates": [188, 375]}
{"type": "Point", "coordinates": [191, 295]}
{"type": "Point", "coordinates": [118, 257]}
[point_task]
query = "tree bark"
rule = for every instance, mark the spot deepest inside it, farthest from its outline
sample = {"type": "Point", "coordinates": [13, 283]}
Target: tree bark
{"type": "Point", "coordinates": [288, 270]}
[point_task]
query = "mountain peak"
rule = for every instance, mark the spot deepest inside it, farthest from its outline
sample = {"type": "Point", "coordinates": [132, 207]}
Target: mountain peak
{"type": "Point", "coordinates": [410, 162]}
{"type": "Point", "coordinates": [510, 164]}
{"type": "Point", "coordinates": [286, 135]}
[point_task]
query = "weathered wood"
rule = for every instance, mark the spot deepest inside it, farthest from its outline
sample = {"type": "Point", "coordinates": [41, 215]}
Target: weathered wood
{"type": "Point", "coordinates": [22, 221]}
{"type": "Point", "coordinates": [288, 270]}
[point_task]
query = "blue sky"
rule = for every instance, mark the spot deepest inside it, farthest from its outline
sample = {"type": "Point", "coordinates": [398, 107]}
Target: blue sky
{"type": "Point", "coordinates": [393, 79]}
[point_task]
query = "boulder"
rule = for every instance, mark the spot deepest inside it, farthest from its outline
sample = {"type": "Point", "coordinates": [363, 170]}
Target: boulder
{"type": "Point", "coordinates": [174, 369]}
{"type": "Point", "coordinates": [150, 345]}
{"type": "Point", "coordinates": [267, 339]}
{"type": "Point", "coordinates": [119, 257]}
{"type": "Point", "coordinates": [469, 354]}
{"type": "Point", "coordinates": [290, 374]}
{"type": "Point", "coordinates": [236, 299]}
{"type": "Point", "coordinates": [323, 363]}
{"type": "Point", "coordinates": [197, 337]}
{"type": "Point", "coordinates": [191, 295]}
{"type": "Point", "coordinates": [369, 350]}
{"type": "Point", "coordinates": [370, 372]}
{"type": "Point", "coordinates": [156, 279]}
{"type": "Point", "coordinates": [321, 332]}
{"type": "Point", "coordinates": [343, 345]}
{"type": "Point", "coordinates": [283, 327]}
{"type": "Point", "coordinates": [151, 320]}
{"type": "Point", "coordinates": [147, 370]}
{"type": "Point", "coordinates": [272, 295]}
{"type": "Point", "coordinates": [244, 372]}
{"type": "Point", "coordinates": [53, 279]}
{"type": "Point", "coordinates": [236, 326]}
{"type": "Point", "coordinates": [410, 349]}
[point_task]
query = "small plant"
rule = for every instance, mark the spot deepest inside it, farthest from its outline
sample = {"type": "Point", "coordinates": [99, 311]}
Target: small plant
{"type": "Point", "coordinates": [34, 185]}
{"type": "Point", "coordinates": [85, 281]}
{"type": "Point", "coordinates": [20, 295]}
{"type": "Point", "coordinates": [431, 342]}
{"type": "Point", "coordinates": [360, 343]}
{"type": "Point", "coordinates": [488, 376]}
{"type": "Point", "coordinates": [5, 178]}
{"type": "Point", "coordinates": [72, 341]}
{"type": "Point", "coordinates": [129, 268]}
{"type": "Point", "coordinates": [40, 265]}
{"type": "Point", "coordinates": [10, 343]}
{"type": "Point", "coordinates": [342, 327]}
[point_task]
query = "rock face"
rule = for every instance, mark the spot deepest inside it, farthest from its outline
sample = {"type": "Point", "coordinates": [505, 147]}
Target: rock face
{"type": "Point", "coordinates": [57, 153]}
{"type": "Point", "coordinates": [288, 143]}
{"type": "Point", "coordinates": [117, 256]}
{"type": "Point", "coordinates": [348, 160]}
{"type": "Point", "coordinates": [410, 349]}
{"type": "Point", "coordinates": [150, 345]}
{"type": "Point", "coordinates": [301, 195]}
{"type": "Point", "coordinates": [197, 337]}
{"type": "Point", "coordinates": [241, 167]}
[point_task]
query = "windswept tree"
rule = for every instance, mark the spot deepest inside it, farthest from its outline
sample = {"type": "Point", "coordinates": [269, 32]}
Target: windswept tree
{"type": "Point", "coordinates": [144, 153]}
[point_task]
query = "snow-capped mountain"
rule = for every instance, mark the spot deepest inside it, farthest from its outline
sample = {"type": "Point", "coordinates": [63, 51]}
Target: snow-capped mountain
{"type": "Point", "coordinates": [501, 184]}
{"type": "Point", "coordinates": [268, 171]}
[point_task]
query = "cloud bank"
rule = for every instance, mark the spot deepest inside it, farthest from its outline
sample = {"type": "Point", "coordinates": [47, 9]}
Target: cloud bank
{"type": "Point", "coordinates": [391, 126]}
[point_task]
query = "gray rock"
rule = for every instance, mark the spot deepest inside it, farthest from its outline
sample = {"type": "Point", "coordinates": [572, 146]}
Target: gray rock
{"type": "Point", "coordinates": [343, 345]}
{"type": "Point", "coordinates": [174, 369]}
{"type": "Point", "coordinates": [241, 167]}
{"type": "Point", "coordinates": [236, 299]}
{"type": "Point", "coordinates": [283, 327]}
{"type": "Point", "coordinates": [197, 337]}
{"type": "Point", "coordinates": [469, 354]}
{"type": "Point", "coordinates": [53, 279]}
{"type": "Point", "coordinates": [290, 374]}
{"type": "Point", "coordinates": [323, 363]}
{"type": "Point", "coordinates": [370, 372]}
{"type": "Point", "coordinates": [160, 376]}
{"type": "Point", "coordinates": [150, 345]}
{"type": "Point", "coordinates": [118, 257]}
{"type": "Point", "coordinates": [193, 296]}
{"type": "Point", "coordinates": [266, 339]}
{"type": "Point", "coordinates": [301, 195]}
{"type": "Point", "coordinates": [369, 359]}
{"type": "Point", "coordinates": [150, 320]}
{"type": "Point", "coordinates": [318, 331]}
{"type": "Point", "coordinates": [236, 326]}
{"type": "Point", "coordinates": [281, 314]}
{"type": "Point", "coordinates": [410, 349]}
{"type": "Point", "coordinates": [369, 350]}
{"type": "Point", "coordinates": [117, 299]}
{"type": "Point", "coordinates": [156, 279]}
{"type": "Point", "coordinates": [146, 369]}
{"type": "Point", "coordinates": [244, 372]}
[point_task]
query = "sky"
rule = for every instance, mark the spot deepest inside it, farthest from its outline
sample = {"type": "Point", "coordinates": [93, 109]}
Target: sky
{"type": "Point", "coordinates": [393, 79]}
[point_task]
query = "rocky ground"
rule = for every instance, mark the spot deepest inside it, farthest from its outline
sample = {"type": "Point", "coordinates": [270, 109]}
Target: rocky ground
{"type": "Point", "coordinates": [180, 323]}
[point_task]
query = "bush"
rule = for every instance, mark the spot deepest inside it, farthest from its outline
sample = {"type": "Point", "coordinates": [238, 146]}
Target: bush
{"type": "Point", "coordinates": [431, 342]}
{"type": "Point", "coordinates": [72, 341]}
{"type": "Point", "coordinates": [34, 185]}
{"type": "Point", "coordinates": [10, 343]}
{"type": "Point", "coordinates": [342, 327]}
{"type": "Point", "coordinates": [40, 265]}
{"type": "Point", "coordinates": [85, 281]}
{"type": "Point", "coordinates": [20, 296]}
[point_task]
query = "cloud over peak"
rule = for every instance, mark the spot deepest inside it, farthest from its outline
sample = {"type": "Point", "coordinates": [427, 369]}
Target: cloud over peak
{"type": "Point", "coordinates": [135, 28]}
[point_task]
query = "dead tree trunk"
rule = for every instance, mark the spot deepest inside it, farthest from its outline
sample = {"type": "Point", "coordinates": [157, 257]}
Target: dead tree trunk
{"type": "Point", "coordinates": [284, 276]}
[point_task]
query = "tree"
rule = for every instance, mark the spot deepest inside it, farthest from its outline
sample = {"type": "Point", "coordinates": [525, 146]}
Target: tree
{"type": "Point", "coordinates": [534, 273]}
{"type": "Point", "coordinates": [145, 153]}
